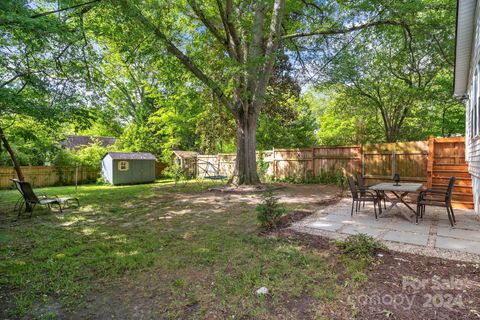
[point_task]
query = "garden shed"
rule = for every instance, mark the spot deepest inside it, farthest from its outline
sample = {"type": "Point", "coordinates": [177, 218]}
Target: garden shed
{"type": "Point", "coordinates": [128, 167]}
{"type": "Point", "coordinates": [186, 162]}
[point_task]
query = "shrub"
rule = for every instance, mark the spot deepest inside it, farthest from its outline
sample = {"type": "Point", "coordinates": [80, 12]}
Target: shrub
{"type": "Point", "coordinates": [335, 177]}
{"type": "Point", "coordinates": [262, 167]}
{"type": "Point", "coordinates": [270, 210]}
{"type": "Point", "coordinates": [175, 171]}
{"type": "Point", "coordinates": [360, 246]}
{"type": "Point", "coordinates": [91, 156]}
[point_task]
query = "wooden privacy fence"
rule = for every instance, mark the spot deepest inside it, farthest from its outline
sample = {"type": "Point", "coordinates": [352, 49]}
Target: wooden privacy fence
{"type": "Point", "coordinates": [376, 161]}
{"type": "Point", "coordinates": [43, 176]}
{"type": "Point", "coordinates": [223, 164]}
{"type": "Point", "coordinates": [449, 160]}
{"type": "Point", "coordinates": [429, 162]}
{"type": "Point", "coordinates": [408, 159]}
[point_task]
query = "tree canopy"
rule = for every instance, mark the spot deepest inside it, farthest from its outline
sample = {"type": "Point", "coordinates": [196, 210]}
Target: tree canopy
{"type": "Point", "coordinates": [224, 76]}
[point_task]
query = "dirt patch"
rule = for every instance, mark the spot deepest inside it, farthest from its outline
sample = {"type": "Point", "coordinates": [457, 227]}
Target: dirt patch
{"type": "Point", "coordinates": [408, 286]}
{"type": "Point", "coordinates": [300, 214]}
{"type": "Point", "coordinates": [245, 189]}
{"type": "Point", "coordinates": [292, 217]}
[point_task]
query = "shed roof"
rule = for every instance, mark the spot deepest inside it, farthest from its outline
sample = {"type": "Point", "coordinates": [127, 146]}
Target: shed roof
{"type": "Point", "coordinates": [464, 39]}
{"type": "Point", "coordinates": [131, 156]}
{"type": "Point", "coordinates": [75, 142]}
{"type": "Point", "coordinates": [185, 154]}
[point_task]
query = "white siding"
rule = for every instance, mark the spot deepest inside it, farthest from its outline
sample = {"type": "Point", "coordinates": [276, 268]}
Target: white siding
{"type": "Point", "coordinates": [472, 147]}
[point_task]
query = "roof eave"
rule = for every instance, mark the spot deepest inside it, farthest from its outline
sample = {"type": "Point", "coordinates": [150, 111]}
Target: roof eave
{"type": "Point", "coordinates": [464, 37]}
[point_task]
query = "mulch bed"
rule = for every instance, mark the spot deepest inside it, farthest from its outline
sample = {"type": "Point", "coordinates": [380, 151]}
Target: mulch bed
{"type": "Point", "coordinates": [408, 286]}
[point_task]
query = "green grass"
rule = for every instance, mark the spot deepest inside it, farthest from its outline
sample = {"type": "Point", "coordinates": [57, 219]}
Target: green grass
{"type": "Point", "coordinates": [209, 253]}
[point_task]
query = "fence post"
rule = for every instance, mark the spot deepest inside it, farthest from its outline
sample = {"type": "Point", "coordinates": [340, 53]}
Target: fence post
{"type": "Point", "coordinates": [394, 161]}
{"type": "Point", "coordinates": [274, 165]}
{"type": "Point", "coordinates": [431, 155]}
{"type": "Point", "coordinates": [312, 160]}
{"type": "Point", "coordinates": [362, 160]}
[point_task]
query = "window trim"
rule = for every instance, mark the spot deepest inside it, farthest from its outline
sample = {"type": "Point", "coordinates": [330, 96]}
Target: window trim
{"type": "Point", "coordinates": [474, 105]}
{"type": "Point", "coordinates": [123, 165]}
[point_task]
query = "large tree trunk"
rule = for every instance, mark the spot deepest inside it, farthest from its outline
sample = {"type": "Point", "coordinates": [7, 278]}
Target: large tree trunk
{"type": "Point", "coordinates": [246, 163]}
{"type": "Point", "coordinates": [256, 54]}
{"type": "Point", "coordinates": [9, 149]}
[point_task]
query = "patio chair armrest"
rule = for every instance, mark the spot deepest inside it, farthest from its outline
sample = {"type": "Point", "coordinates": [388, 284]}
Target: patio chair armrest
{"type": "Point", "coordinates": [435, 191]}
{"type": "Point", "coordinates": [371, 193]}
{"type": "Point", "coordinates": [423, 195]}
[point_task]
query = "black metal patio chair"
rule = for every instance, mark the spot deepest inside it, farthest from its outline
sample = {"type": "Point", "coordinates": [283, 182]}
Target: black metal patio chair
{"type": "Point", "coordinates": [361, 186]}
{"type": "Point", "coordinates": [362, 195]}
{"type": "Point", "coordinates": [437, 197]}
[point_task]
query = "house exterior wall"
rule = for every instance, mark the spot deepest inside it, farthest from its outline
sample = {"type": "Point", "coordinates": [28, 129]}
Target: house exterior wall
{"type": "Point", "coordinates": [472, 125]}
{"type": "Point", "coordinates": [139, 171]}
{"type": "Point", "coordinates": [107, 169]}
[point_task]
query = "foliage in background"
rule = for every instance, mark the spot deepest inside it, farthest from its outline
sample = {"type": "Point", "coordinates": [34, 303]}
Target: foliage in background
{"type": "Point", "coordinates": [109, 79]}
{"type": "Point", "coordinates": [44, 76]}
{"type": "Point", "coordinates": [269, 211]}
{"type": "Point", "coordinates": [89, 156]}
{"type": "Point", "coordinates": [262, 167]}
{"type": "Point", "coordinates": [279, 130]}
{"type": "Point", "coordinates": [387, 84]}
{"type": "Point", "coordinates": [34, 143]}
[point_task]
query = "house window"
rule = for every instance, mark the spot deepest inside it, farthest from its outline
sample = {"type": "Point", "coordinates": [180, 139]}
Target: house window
{"type": "Point", "coordinates": [123, 166]}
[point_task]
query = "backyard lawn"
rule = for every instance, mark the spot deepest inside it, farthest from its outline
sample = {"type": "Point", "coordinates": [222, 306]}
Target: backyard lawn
{"type": "Point", "coordinates": [161, 250]}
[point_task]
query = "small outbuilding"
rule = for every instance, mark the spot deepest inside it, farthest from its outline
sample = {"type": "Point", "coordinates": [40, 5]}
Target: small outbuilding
{"type": "Point", "coordinates": [186, 161]}
{"type": "Point", "coordinates": [128, 167]}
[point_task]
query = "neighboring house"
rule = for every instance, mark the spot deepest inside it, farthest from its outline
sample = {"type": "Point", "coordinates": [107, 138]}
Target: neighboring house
{"type": "Point", "coordinates": [75, 142]}
{"type": "Point", "coordinates": [467, 85]}
{"type": "Point", "coordinates": [128, 167]}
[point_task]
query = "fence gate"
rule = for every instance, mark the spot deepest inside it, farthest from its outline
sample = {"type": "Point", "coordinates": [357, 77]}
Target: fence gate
{"type": "Point", "coordinates": [408, 159]}
{"type": "Point", "coordinates": [447, 158]}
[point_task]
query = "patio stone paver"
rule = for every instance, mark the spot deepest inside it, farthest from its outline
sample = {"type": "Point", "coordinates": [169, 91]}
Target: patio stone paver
{"type": "Point", "coordinates": [326, 225]}
{"type": "Point", "coordinates": [458, 244]}
{"type": "Point", "coordinates": [465, 223]}
{"type": "Point", "coordinates": [432, 236]}
{"type": "Point", "coordinates": [337, 218]}
{"type": "Point", "coordinates": [458, 233]}
{"type": "Point", "coordinates": [422, 227]}
{"type": "Point", "coordinates": [420, 239]}
{"type": "Point", "coordinates": [356, 229]}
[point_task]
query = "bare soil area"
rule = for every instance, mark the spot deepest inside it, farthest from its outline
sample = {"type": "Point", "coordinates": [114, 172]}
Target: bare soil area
{"type": "Point", "coordinates": [408, 286]}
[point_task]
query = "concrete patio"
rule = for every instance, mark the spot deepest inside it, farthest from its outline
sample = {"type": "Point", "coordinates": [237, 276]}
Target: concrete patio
{"type": "Point", "coordinates": [433, 235]}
